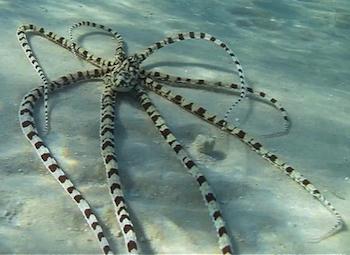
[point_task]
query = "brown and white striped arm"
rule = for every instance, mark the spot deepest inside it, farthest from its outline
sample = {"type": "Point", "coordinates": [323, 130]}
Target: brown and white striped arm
{"type": "Point", "coordinates": [200, 83]}
{"type": "Point", "coordinates": [206, 191]}
{"type": "Point", "coordinates": [109, 156]}
{"type": "Point", "coordinates": [22, 37]}
{"type": "Point", "coordinates": [59, 40]}
{"type": "Point", "coordinates": [26, 118]}
{"type": "Point", "coordinates": [119, 53]}
{"type": "Point", "coordinates": [254, 145]}
{"type": "Point", "coordinates": [202, 36]}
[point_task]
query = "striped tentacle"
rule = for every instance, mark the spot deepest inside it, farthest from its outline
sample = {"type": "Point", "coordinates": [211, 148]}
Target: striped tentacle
{"type": "Point", "coordinates": [253, 144]}
{"type": "Point", "coordinates": [206, 191]}
{"type": "Point", "coordinates": [110, 161]}
{"type": "Point", "coordinates": [22, 37]}
{"type": "Point", "coordinates": [120, 53]}
{"type": "Point", "coordinates": [59, 40]}
{"type": "Point", "coordinates": [204, 36]}
{"type": "Point", "coordinates": [200, 83]}
{"type": "Point", "coordinates": [26, 117]}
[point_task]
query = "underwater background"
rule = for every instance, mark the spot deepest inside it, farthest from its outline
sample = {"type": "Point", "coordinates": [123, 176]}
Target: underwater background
{"type": "Point", "coordinates": [296, 51]}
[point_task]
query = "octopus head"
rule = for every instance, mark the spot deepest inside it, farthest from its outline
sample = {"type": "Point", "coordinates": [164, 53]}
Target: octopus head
{"type": "Point", "coordinates": [121, 81]}
{"type": "Point", "coordinates": [124, 77]}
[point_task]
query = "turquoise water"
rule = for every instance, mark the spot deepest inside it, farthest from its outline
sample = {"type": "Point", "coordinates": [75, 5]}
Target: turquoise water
{"type": "Point", "coordinates": [297, 51]}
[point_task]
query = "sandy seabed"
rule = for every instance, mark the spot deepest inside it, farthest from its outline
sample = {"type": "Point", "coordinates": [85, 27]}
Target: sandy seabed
{"type": "Point", "coordinates": [297, 51]}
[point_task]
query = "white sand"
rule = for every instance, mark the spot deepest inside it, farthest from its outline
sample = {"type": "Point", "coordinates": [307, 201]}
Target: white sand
{"type": "Point", "coordinates": [298, 51]}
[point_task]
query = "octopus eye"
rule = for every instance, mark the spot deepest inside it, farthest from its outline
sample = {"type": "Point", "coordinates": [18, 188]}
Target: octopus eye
{"type": "Point", "coordinates": [107, 80]}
